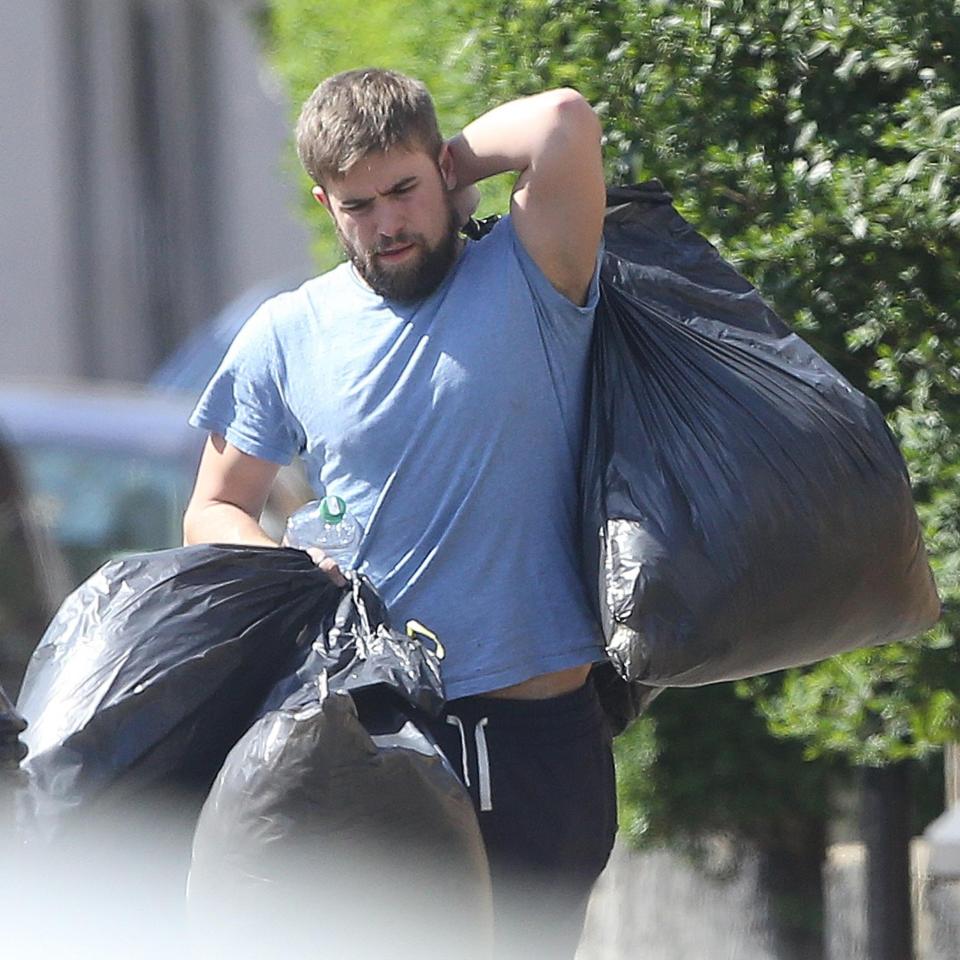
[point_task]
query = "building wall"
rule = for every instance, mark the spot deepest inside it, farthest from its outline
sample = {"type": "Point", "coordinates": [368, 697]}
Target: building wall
{"type": "Point", "coordinates": [33, 246]}
{"type": "Point", "coordinates": [144, 179]}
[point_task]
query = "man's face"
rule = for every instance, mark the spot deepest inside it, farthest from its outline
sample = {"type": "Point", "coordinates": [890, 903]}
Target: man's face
{"type": "Point", "coordinates": [393, 215]}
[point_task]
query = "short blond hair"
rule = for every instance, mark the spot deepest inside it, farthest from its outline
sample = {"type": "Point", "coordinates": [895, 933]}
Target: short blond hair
{"type": "Point", "coordinates": [358, 112]}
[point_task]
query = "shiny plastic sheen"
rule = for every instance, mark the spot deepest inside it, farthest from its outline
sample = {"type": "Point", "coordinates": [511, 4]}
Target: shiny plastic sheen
{"type": "Point", "coordinates": [745, 509]}
{"type": "Point", "coordinates": [338, 796]}
{"type": "Point", "coordinates": [155, 666]}
{"type": "Point", "coordinates": [12, 725]}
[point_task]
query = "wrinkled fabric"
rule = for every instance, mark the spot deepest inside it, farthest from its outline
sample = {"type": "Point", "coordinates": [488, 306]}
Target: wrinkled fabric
{"type": "Point", "coordinates": [12, 751]}
{"type": "Point", "coordinates": [427, 418]}
{"type": "Point", "coordinates": [744, 508]}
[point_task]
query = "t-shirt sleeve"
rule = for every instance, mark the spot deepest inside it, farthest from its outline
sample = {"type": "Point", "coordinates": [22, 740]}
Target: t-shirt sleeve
{"type": "Point", "coordinates": [554, 305]}
{"type": "Point", "coordinates": [245, 400]}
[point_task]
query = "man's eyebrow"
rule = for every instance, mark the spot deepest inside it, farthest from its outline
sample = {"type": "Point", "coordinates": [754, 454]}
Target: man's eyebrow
{"type": "Point", "coordinates": [401, 184]}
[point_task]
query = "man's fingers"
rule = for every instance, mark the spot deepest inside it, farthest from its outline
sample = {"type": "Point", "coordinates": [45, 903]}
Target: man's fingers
{"type": "Point", "coordinates": [328, 565]}
{"type": "Point", "coordinates": [465, 201]}
{"type": "Point", "coordinates": [330, 568]}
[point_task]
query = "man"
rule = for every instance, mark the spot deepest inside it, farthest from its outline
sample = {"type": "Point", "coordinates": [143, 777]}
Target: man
{"type": "Point", "coordinates": [437, 386]}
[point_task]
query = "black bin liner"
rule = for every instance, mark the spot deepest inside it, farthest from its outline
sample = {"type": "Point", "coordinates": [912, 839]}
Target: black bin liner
{"type": "Point", "coordinates": [153, 669]}
{"type": "Point", "coordinates": [744, 508]}
{"type": "Point", "coordinates": [12, 751]}
{"type": "Point", "coordinates": [336, 824]}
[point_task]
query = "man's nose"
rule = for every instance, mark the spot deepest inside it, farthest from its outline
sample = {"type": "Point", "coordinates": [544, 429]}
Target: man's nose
{"type": "Point", "coordinates": [392, 221]}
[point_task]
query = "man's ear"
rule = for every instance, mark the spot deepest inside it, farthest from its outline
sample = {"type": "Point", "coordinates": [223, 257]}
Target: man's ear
{"type": "Point", "coordinates": [320, 195]}
{"type": "Point", "coordinates": [447, 172]}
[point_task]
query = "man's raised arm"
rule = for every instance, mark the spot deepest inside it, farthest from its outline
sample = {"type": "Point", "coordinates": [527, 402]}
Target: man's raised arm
{"type": "Point", "coordinates": [552, 140]}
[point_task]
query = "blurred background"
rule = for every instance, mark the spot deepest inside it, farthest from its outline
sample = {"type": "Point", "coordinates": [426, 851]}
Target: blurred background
{"type": "Point", "coordinates": [147, 210]}
{"type": "Point", "coordinates": [143, 180]}
{"type": "Point", "coordinates": [150, 201]}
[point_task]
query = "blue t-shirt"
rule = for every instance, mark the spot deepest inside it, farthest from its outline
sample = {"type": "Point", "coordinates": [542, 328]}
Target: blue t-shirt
{"type": "Point", "coordinates": [452, 429]}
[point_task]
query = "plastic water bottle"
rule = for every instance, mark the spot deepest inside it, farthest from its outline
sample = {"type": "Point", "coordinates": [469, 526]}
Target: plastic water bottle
{"type": "Point", "coordinates": [325, 524]}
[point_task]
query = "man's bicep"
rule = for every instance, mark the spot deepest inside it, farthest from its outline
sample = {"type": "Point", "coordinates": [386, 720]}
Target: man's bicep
{"type": "Point", "coordinates": [228, 475]}
{"type": "Point", "coordinates": [558, 202]}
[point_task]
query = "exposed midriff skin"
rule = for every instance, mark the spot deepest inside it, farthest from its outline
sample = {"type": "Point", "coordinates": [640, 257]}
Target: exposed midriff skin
{"type": "Point", "coordinates": [545, 686]}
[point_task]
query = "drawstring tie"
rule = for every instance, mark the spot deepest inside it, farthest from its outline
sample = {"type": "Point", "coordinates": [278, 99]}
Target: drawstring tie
{"type": "Point", "coordinates": [483, 759]}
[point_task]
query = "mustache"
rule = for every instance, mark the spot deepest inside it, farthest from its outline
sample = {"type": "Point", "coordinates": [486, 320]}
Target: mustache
{"type": "Point", "coordinates": [395, 243]}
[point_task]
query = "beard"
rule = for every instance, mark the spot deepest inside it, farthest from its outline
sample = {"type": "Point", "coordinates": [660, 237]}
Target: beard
{"type": "Point", "coordinates": [413, 280]}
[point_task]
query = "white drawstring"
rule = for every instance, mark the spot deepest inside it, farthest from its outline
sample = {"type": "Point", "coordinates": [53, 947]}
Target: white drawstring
{"type": "Point", "coordinates": [483, 759]}
{"type": "Point", "coordinates": [483, 766]}
{"type": "Point", "coordinates": [456, 721]}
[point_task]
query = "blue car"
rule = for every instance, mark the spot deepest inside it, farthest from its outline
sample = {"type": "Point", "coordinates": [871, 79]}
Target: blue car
{"type": "Point", "coordinates": [108, 468]}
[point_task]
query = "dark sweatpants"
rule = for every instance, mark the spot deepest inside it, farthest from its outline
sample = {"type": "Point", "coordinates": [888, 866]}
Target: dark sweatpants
{"type": "Point", "coordinates": [540, 773]}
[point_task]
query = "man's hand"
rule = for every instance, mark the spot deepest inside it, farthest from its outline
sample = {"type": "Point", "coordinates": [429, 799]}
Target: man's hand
{"type": "Point", "coordinates": [465, 201]}
{"type": "Point", "coordinates": [328, 565]}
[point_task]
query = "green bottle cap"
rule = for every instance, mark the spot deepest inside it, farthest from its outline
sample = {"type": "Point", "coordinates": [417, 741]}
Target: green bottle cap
{"type": "Point", "coordinates": [332, 509]}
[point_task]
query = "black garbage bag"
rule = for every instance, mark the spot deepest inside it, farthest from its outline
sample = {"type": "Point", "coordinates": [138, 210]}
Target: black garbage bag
{"type": "Point", "coordinates": [745, 509]}
{"type": "Point", "coordinates": [336, 825]}
{"type": "Point", "coordinates": [12, 751]}
{"type": "Point", "coordinates": [153, 669]}
{"type": "Point", "coordinates": [357, 647]}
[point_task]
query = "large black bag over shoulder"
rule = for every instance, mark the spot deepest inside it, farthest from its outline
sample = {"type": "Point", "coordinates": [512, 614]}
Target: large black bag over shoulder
{"type": "Point", "coordinates": [745, 509]}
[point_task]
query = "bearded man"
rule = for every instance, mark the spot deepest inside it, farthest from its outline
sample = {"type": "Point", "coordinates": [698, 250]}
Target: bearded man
{"type": "Point", "coordinates": [437, 385]}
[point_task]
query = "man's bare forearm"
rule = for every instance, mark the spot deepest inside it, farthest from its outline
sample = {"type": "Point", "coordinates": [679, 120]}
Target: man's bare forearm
{"type": "Point", "coordinates": [228, 497]}
{"type": "Point", "coordinates": [219, 522]}
{"type": "Point", "coordinates": [513, 135]}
